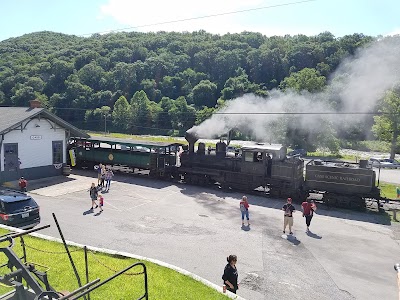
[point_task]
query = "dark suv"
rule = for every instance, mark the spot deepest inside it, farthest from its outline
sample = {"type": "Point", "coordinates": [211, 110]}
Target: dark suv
{"type": "Point", "coordinates": [18, 210]}
{"type": "Point", "coordinates": [300, 152]}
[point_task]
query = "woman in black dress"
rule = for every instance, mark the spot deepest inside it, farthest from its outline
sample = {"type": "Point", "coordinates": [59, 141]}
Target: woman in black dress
{"type": "Point", "coordinates": [230, 276]}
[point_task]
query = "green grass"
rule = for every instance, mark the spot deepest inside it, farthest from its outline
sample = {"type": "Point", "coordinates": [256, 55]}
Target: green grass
{"type": "Point", "coordinates": [150, 138]}
{"type": "Point", "coordinates": [140, 137]}
{"type": "Point", "coordinates": [329, 155]}
{"type": "Point", "coordinates": [163, 283]}
{"type": "Point", "coordinates": [388, 190]}
{"type": "Point", "coordinates": [375, 146]}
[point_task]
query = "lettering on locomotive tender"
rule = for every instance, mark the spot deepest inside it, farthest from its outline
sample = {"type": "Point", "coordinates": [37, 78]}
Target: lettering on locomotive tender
{"type": "Point", "coordinates": [337, 178]}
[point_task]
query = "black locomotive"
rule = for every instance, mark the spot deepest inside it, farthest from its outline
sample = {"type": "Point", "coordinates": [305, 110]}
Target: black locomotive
{"type": "Point", "coordinates": [267, 166]}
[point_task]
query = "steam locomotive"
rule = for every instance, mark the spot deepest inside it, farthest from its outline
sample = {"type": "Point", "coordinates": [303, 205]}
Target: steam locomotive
{"type": "Point", "coordinates": [258, 166]}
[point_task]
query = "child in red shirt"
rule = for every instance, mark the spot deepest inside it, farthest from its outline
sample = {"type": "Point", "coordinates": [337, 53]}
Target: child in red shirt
{"type": "Point", "coordinates": [22, 184]}
{"type": "Point", "coordinates": [101, 202]}
{"type": "Point", "coordinates": [244, 209]}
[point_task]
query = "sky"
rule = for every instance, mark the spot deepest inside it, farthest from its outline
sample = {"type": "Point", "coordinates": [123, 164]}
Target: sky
{"type": "Point", "coordinates": [269, 17]}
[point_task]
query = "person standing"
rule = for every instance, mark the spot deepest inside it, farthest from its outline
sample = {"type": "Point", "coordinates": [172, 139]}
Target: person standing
{"type": "Point", "coordinates": [308, 211]}
{"type": "Point", "coordinates": [102, 175]}
{"type": "Point", "coordinates": [99, 168]}
{"type": "Point", "coordinates": [93, 194]}
{"type": "Point", "coordinates": [288, 208]}
{"type": "Point", "coordinates": [244, 209]}
{"type": "Point", "coordinates": [230, 276]}
{"type": "Point", "coordinates": [22, 183]}
{"type": "Point", "coordinates": [109, 175]}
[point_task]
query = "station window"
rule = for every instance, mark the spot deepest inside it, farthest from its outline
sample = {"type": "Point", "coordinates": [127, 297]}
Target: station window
{"type": "Point", "coordinates": [57, 152]}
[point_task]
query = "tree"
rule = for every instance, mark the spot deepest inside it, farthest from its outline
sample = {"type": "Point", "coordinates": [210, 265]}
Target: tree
{"type": "Point", "coordinates": [141, 111]}
{"type": "Point", "coordinates": [121, 114]}
{"type": "Point", "coordinates": [205, 94]}
{"type": "Point", "coordinates": [239, 85]}
{"type": "Point", "coordinates": [183, 116]}
{"type": "Point", "coordinates": [306, 79]}
{"type": "Point", "coordinates": [204, 114]}
{"type": "Point", "coordinates": [387, 125]}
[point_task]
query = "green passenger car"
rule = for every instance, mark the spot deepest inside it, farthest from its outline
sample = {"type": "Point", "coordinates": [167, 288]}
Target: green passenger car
{"type": "Point", "coordinates": [157, 157]}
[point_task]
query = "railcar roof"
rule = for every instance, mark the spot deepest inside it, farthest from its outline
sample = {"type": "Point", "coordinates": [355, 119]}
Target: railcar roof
{"type": "Point", "coordinates": [263, 147]}
{"type": "Point", "coordinates": [128, 142]}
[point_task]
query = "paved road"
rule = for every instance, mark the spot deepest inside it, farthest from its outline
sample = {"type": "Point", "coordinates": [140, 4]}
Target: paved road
{"type": "Point", "coordinates": [350, 255]}
{"type": "Point", "coordinates": [388, 175]}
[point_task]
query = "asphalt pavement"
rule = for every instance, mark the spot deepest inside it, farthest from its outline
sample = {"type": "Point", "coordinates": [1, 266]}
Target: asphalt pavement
{"type": "Point", "coordinates": [348, 255]}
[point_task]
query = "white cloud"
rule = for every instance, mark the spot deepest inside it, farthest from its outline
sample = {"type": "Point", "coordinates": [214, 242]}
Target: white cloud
{"type": "Point", "coordinates": [137, 15]}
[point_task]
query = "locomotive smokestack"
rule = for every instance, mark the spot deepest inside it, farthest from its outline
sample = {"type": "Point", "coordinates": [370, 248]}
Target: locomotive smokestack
{"type": "Point", "coordinates": [192, 138]}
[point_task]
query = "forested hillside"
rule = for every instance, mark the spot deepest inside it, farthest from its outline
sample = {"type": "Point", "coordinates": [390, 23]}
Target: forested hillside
{"type": "Point", "coordinates": [159, 82]}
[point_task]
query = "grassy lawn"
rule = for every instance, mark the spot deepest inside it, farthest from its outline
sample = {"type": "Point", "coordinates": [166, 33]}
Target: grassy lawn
{"type": "Point", "coordinates": [163, 283]}
{"type": "Point", "coordinates": [388, 190]}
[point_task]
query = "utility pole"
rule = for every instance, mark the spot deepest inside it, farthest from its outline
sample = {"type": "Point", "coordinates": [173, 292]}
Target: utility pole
{"type": "Point", "coordinates": [105, 123]}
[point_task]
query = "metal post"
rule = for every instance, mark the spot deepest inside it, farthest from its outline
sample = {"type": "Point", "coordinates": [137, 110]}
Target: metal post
{"type": "Point", "coordinates": [397, 269]}
{"type": "Point", "coordinates": [86, 268]}
{"type": "Point", "coordinates": [68, 253]}
{"type": "Point", "coordinates": [23, 248]}
{"type": "Point", "coordinates": [379, 172]}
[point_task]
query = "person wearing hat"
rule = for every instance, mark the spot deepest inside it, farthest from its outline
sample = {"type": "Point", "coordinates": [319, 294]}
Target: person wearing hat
{"type": "Point", "coordinates": [288, 208]}
{"type": "Point", "coordinates": [22, 184]}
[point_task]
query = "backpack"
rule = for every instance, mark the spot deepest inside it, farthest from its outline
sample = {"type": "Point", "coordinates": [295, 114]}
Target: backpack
{"type": "Point", "coordinates": [242, 207]}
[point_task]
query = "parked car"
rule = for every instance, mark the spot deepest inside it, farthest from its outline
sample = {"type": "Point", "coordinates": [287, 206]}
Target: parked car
{"type": "Point", "coordinates": [383, 163]}
{"type": "Point", "coordinates": [300, 152]}
{"type": "Point", "coordinates": [18, 209]}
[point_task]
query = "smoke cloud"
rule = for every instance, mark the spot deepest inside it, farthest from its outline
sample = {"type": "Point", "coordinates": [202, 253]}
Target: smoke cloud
{"type": "Point", "coordinates": [356, 87]}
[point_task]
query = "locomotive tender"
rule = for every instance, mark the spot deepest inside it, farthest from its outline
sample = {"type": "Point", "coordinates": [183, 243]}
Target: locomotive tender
{"type": "Point", "coordinates": [255, 166]}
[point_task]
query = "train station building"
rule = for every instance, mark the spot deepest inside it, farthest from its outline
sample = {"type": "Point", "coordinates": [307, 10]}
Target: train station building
{"type": "Point", "coordinates": [33, 142]}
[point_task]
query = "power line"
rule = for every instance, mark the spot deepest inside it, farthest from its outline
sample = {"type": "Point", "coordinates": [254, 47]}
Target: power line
{"type": "Point", "coordinates": [303, 113]}
{"type": "Point", "coordinates": [255, 113]}
{"type": "Point", "coordinates": [201, 17]}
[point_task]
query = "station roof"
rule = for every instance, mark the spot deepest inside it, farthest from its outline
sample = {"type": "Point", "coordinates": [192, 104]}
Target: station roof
{"type": "Point", "coordinates": [129, 142]}
{"type": "Point", "coordinates": [12, 117]}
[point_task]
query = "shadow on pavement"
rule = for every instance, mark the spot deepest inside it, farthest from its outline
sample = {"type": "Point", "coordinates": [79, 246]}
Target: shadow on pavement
{"type": "Point", "coordinates": [43, 182]}
{"type": "Point", "coordinates": [293, 240]}
{"type": "Point", "coordinates": [88, 212]}
{"type": "Point", "coordinates": [313, 235]}
{"type": "Point", "coordinates": [245, 227]}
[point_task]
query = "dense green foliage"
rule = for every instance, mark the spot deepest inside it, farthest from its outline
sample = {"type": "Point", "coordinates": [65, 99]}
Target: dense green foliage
{"type": "Point", "coordinates": [154, 81]}
{"type": "Point", "coordinates": [387, 125]}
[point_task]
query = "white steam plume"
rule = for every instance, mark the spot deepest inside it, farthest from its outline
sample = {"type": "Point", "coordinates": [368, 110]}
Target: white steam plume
{"type": "Point", "coordinates": [359, 83]}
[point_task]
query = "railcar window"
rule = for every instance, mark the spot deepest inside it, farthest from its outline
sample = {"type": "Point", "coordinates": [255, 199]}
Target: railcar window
{"type": "Point", "coordinates": [248, 156]}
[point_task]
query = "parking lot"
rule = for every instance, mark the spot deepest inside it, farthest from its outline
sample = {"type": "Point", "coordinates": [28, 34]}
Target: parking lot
{"type": "Point", "coordinates": [348, 255]}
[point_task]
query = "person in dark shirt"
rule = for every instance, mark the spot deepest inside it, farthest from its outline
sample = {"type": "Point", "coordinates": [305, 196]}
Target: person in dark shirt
{"type": "Point", "coordinates": [93, 192]}
{"type": "Point", "coordinates": [288, 208]}
{"type": "Point", "coordinates": [230, 276]}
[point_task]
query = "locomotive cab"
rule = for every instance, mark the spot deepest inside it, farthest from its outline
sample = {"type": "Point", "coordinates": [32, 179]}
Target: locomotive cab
{"type": "Point", "coordinates": [260, 158]}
